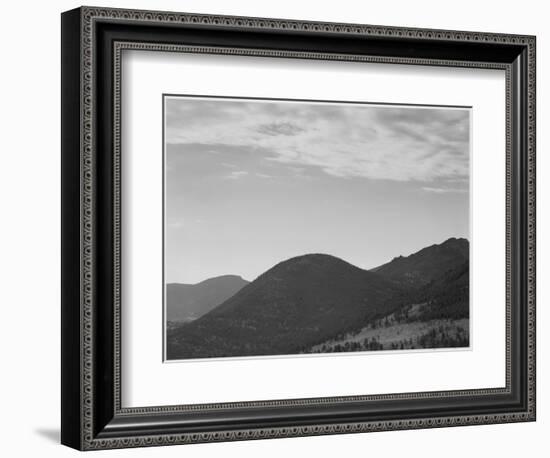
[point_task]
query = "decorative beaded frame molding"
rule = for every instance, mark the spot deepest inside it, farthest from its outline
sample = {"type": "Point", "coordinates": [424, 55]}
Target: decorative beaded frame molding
{"type": "Point", "coordinates": [89, 15]}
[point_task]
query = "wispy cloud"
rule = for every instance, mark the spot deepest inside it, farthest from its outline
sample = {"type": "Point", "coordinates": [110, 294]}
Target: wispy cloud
{"type": "Point", "coordinates": [343, 140]}
{"type": "Point", "coordinates": [237, 174]}
{"type": "Point", "coordinates": [280, 128]}
{"type": "Point", "coordinates": [444, 190]}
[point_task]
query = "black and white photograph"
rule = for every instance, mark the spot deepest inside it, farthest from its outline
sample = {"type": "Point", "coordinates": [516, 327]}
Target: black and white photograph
{"type": "Point", "coordinates": [314, 227]}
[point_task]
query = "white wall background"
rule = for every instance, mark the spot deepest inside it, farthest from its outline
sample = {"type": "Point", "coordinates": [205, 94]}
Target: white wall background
{"type": "Point", "coordinates": [30, 241]}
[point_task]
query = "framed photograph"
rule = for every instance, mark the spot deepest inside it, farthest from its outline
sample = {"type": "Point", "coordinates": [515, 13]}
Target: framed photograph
{"type": "Point", "coordinates": [276, 228]}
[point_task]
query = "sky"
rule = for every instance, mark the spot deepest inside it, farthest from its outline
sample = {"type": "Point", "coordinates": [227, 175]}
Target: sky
{"type": "Point", "coordinates": [251, 183]}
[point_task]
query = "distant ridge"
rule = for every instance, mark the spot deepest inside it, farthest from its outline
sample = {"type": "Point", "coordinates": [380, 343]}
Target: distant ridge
{"type": "Point", "coordinates": [185, 302]}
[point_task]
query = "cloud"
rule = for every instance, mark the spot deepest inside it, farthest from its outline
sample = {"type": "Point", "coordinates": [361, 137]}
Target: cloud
{"type": "Point", "coordinates": [237, 174]}
{"type": "Point", "coordinates": [342, 140]}
{"type": "Point", "coordinates": [444, 190]}
{"type": "Point", "coordinates": [280, 128]}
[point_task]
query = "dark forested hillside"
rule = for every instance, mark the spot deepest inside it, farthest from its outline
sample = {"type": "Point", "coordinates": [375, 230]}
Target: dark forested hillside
{"type": "Point", "coordinates": [427, 264]}
{"type": "Point", "coordinates": [304, 301]}
{"type": "Point", "coordinates": [447, 296]}
{"type": "Point", "coordinates": [290, 306]}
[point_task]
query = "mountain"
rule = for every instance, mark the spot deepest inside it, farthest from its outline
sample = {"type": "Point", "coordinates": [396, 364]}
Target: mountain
{"type": "Point", "coordinates": [427, 264]}
{"type": "Point", "coordinates": [436, 276]}
{"type": "Point", "coordinates": [289, 307]}
{"type": "Point", "coordinates": [186, 302]}
{"type": "Point", "coordinates": [447, 296]}
{"type": "Point", "coordinates": [432, 315]}
{"type": "Point", "coordinates": [307, 300]}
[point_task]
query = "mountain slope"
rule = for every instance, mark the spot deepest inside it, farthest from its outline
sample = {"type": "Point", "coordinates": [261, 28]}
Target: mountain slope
{"type": "Point", "coordinates": [427, 264]}
{"type": "Point", "coordinates": [435, 315]}
{"type": "Point", "coordinates": [186, 302]}
{"type": "Point", "coordinates": [307, 300]}
{"type": "Point", "coordinates": [290, 307]}
{"type": "Point", "coordinates": [448, 296]}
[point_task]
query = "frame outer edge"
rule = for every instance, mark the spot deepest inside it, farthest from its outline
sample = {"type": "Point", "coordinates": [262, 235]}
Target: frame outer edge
{"type": "Point", "coordinates": [86, 401]}
{"type": "Point", "coordinates": [531, 226]}
{"type": "Point", "coordinates": [309, 26]}
{"type": "Point", "coordinates": [71, 326]}
{"type": "Point", "coordinates": [88, 194]}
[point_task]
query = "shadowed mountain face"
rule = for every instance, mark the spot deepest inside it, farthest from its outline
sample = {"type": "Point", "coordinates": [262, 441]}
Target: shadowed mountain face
{"type": "Point", "coordinates": [307, 300]}
{"type": "Point", "coordinates": [188, 302]}
{"type": "Point", "coordinates": [284, 310]}
{"type": "Point", "coordinates": [427, 264]}
{"type": "Point", "coordinates": [447, 296]}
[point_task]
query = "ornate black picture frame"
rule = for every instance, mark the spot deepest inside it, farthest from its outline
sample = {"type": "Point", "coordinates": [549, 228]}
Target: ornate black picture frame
{"type": "Point", "coordinates": [92, 42]}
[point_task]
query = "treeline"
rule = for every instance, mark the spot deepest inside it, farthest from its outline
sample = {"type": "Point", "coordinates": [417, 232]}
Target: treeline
{"type": "Point", "coordinates": [442, 338]}
{"type": "Point", "coordinates": [366, 345]}
{"type": "Point", "coordinates": [437, 337]}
